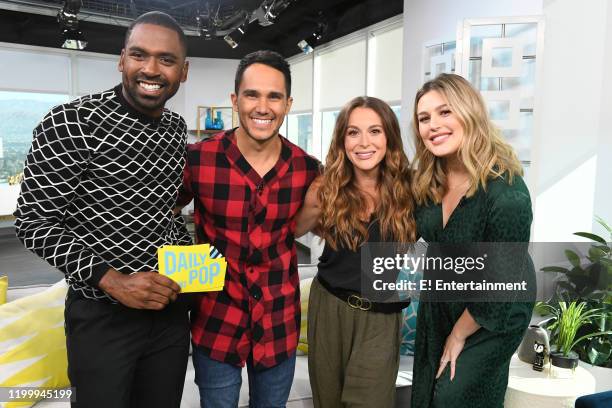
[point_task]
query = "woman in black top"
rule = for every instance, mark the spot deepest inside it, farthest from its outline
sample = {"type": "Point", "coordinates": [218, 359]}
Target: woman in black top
{"type": "Point", "coordinates": [362, 196]}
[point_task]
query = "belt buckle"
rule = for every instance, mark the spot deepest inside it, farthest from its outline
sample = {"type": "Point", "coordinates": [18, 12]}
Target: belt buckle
{"type": "Point", "coordinates": [357, 302]}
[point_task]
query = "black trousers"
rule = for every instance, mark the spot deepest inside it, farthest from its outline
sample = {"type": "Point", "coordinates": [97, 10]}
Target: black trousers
{"type": "Point", "coordinates": [120, 357]}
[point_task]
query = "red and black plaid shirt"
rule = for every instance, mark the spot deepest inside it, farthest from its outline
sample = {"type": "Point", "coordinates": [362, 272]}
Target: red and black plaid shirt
{"type": "Point", "coordinates": [250, 220]}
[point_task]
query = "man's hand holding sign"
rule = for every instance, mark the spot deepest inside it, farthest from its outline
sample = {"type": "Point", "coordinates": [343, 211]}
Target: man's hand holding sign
{"type": "Point", "coordinates": [194, 268]}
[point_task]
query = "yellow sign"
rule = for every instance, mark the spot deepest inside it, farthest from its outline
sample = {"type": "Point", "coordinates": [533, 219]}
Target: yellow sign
{"type": "Point", "coordinates": [196, 268]}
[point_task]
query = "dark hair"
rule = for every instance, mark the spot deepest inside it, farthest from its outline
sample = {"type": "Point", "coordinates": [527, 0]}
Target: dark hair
{"type": "Point", "coordinates": [266, 57]}
{"type": "Point", "coordinates": [161, 19]}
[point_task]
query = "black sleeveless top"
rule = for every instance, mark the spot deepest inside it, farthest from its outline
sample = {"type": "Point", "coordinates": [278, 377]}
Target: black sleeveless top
{"type": "Point", "coordinates": [341, 269]}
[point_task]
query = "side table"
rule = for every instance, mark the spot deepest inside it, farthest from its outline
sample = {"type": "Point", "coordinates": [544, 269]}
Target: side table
{"type": "Point", "coordinates": [530, 388]}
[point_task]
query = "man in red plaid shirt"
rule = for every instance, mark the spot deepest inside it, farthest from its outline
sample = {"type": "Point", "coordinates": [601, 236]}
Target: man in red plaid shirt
{"type": "Point", "coordinates": [248, 184]}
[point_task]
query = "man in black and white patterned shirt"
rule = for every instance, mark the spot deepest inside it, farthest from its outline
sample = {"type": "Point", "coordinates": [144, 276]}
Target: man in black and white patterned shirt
{"type": "Point", "coordinates": [100, 183]}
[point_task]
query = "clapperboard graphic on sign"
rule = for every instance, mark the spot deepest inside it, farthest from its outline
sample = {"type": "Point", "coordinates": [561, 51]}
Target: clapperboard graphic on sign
{"type": "Point", "coordinates": [196, 268]}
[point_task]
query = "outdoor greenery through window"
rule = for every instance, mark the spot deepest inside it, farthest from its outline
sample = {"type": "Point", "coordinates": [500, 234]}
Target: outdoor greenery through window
{"type": "Point", "coordinates": [20, 112]}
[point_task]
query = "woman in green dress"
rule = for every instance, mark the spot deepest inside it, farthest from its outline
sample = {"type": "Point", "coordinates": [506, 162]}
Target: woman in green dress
{"type": "Point", "coordinates": [468, 187]}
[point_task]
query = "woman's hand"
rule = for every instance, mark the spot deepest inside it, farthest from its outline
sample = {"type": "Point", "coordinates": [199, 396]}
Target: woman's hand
{"type": "Point", "coordinates": [464, 327]}
{"type": "Point", "coordinates": [452, 348]}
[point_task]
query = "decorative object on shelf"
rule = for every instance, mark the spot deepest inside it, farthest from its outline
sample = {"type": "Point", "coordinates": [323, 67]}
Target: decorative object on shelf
{"type": "Point", "coordinates": [533, 334]}
{"type": "Point", "coordinates": [212, 119]}
{"type": "Point", "coordinates": [589, 282]}
{"type": "Point", "coordinates": [218, 122]}
{"type": "Point", "coordinates": [208, 123]}
{"type": "Point", "coordinates": [540, 355]}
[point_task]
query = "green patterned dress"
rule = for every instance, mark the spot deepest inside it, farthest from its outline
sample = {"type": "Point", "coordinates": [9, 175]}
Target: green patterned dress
{"type": "Point", "coordinates": [501, 214]}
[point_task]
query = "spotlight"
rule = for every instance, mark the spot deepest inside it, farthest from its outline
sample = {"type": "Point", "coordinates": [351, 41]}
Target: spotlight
{"type": "Point", "coordinates": [307, 45]}
{"type": "Point", "coordinates": [69, 24]}
{"type": "Point", "coordinates": [204, 27]}
{"type": "Point", "coordinates": [74, 40]}
{"type": "Point", "coordinates": [233, 38]}
{"type": "Point", "coordinates": [266, 13]}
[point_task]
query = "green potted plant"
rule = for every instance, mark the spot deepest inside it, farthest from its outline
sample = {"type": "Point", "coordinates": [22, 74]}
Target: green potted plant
{"type": "Point", "coordinates": [588, 281]}
{"type": "Point", "coordinates": [567, 319]}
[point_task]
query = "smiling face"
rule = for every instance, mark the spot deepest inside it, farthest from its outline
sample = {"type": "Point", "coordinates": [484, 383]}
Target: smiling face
{"type": "Point", "coordinates": [261, 102]}
{"type": "Point", "coordinates": [153, 66]}
{"type": "Point", "coordinates": [439, 127]}
{"type": "Point", "coordinates": [365, 141]}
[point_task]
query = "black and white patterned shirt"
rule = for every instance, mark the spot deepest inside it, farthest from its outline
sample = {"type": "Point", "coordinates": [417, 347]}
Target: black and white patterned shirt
{"type": "Point", "coordinates": [100, 183]}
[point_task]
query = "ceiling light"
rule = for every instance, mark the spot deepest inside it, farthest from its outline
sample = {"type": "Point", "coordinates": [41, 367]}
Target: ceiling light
{"type": "Point", "coordinates": [307, 45]}
{"type": "Point", "coordinates": [233, 38]}
{"type": "Point", "coordinates": [69, 24]}
{"type": "Point", "coordinates": [74, 40]}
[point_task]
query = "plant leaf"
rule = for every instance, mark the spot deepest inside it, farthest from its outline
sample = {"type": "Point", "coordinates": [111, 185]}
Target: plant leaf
{"type": "Point", "coordinates": [590, 335]}
{"type": "Point", "coordinates": [601, 222]}
{"type": "Point", "coordinates": [542, 309]}
{"type": "Point", "coordinates": [596, 254]}
{"type": "Point", "coordinates": [592, 237]}
{"type": "Point", "coordinates": [554, 269]}
{"type": "Point", "coordinates": [572, 257]}
{"type": "Point", "coordinates": [598, 351]}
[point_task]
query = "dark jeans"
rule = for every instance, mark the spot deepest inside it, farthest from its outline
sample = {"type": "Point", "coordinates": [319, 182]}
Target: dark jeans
{"type": "Point", "coordinates": [124, 358]}
{"type": "Point", "coordinates": [219, 383]}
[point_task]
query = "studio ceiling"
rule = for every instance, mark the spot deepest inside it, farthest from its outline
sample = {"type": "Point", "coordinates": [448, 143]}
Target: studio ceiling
{"type": "Point", "coordinates": [103, 22]}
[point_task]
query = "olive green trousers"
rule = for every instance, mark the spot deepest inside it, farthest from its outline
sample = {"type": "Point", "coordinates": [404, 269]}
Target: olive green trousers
{"type": "Point", "coordinates": [353, 355]}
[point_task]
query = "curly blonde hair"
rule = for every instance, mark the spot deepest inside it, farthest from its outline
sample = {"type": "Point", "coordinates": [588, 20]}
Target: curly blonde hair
{"type": "Point", "coordinates": [483, 151]}
{"type": "Point", "coordinates": [343, 205]}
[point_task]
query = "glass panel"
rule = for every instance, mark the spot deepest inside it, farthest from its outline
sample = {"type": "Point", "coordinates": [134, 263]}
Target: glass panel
{"type": "Point", "coordinates": [20, 112]}
{"type": "Point", "coordinates": [525, 83]}
{"type": "Point", "coordinates": [435, 50]}
{"type": "Point", "coordinates": [499, 110]}
{"type": "Point", "coordinates": [501, 57]}
{"type": "Point", "coordinates": [397, 109]}
{"type": "Point", "coordinates": [451, 47]}
{"type": "Point", "coordinates": [299, 130]}
{"type": "Point", "coordinates": [328, 122]}
{"type": "Point", "coordinates": [478, 33]}
{"type": "Point", "coordinates": [284, 130]}
{"type": "Point", "coordinates": [430, 52]}
{"type": "Point", "coordinates": [526, 32]}
{"type": "Point", "coordinates": [520, 138]}
{"type": "Point", "coordinates": [488, 84]}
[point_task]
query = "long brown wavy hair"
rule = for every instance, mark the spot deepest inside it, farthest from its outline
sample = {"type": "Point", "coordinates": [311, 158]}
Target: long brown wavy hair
{"type": "Point", "coordinates": [342, 202]}
{"type": "Point", "coordinates": [483, 151]}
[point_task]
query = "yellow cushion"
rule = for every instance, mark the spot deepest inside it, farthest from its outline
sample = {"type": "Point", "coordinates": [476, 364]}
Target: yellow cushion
{"type": "Point", "coordinates": [304, 295]}
{"type": "Point", "coordinates": [33, 343]}
{"type": "Point", "coordinates": [3, 289]}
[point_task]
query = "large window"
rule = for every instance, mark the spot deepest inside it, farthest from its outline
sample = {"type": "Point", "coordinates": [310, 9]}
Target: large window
{"type": "Point", "coordinates": [366, 62]}
{"type": "Point", "coordinates": [299, 130]}
{"type": "Point", "coordinates": [20, 112]}
{"type": "Point", "coordinates": [328, 121]}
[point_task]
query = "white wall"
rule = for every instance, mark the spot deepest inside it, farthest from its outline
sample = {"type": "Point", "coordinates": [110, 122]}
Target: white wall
{"type": "Point", "coordinates": [209, 83]}
{"type": "Point", "coordinates": [40, 69]}
{"type": "Point", "coordinates": [572, 148]}
{"type": "Point", "coordinates": [573, 160]}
